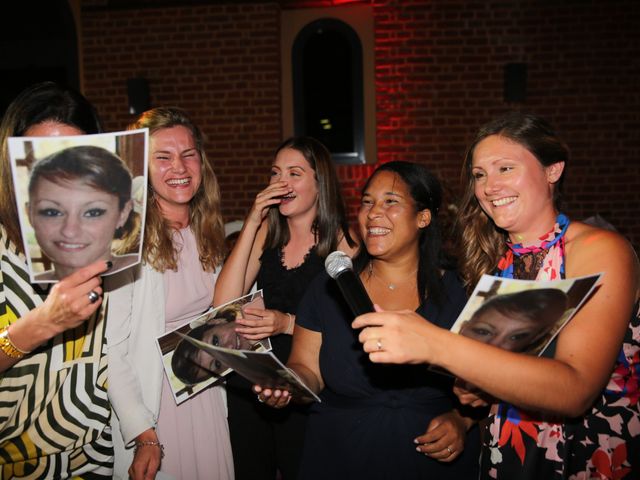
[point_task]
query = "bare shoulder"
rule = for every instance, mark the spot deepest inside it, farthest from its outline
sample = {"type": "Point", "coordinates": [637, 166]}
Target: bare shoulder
{"type": "Point", "coordinates": [591, 249]}
{"type": "Point", "coordinates": [583, 239]}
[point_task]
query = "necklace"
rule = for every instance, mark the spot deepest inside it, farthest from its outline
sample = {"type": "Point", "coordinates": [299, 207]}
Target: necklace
{"type": "Point", "coordinates": [390, 286]}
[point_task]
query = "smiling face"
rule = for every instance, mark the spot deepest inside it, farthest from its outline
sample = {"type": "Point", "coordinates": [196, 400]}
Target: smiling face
{"type": "Point", "coordinates": [74, 223]}
{"type": "Point", "coordinates": [513, 188]}
{"type": "Point", "coordinates": [511, 332]}
{"type": "Point", "coordinates": [291, 166]}
{"type": "Point", "coordinates": [388, 221]}
{"type": "Point", "coordinates": [175, 169]}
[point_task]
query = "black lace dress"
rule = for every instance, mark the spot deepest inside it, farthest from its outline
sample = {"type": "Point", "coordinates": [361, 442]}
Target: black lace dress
{"type": "Point", "coordinates": [264, 439]}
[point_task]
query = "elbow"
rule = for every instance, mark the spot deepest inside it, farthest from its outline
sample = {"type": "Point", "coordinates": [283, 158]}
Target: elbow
{"type": "Point", "coordinates": [576, 405]}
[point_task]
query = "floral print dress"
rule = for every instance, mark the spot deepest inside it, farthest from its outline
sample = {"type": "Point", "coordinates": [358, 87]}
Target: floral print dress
{"type": "Point", "coordinates": [602, 444]}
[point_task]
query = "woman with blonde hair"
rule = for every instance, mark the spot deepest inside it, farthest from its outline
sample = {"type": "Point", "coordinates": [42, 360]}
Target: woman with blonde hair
{"type": "Point", "coordinates": [183, 247]}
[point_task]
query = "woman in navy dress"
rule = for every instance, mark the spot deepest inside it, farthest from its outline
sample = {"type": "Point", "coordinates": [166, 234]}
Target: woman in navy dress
{"type": "Point", "coordinates": [383, 421]}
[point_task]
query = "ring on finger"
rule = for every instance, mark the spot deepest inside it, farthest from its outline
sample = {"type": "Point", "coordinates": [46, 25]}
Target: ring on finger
{"type": "Point", "coordinates": [379, 344]}
{"type": "Point", "coordinates": [449, 450]}
{"type": "Point", "coordinates": [93, 296]}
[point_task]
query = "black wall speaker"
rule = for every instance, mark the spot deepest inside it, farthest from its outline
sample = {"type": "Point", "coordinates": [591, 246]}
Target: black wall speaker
{"type": "Point", "coordinates": [138, 92]}
{"type": "Point", "coordinates": [515, 82]}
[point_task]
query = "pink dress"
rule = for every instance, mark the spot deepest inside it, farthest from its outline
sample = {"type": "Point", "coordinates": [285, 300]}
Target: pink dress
{"type": "Point", "coordinates": [195, 434]}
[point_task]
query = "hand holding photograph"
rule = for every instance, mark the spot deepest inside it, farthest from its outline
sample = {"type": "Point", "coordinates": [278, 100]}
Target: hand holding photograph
{"type": "Point", "coordinates": [189, 368]}
{"type": "Point", "coordinates": [260, 368]}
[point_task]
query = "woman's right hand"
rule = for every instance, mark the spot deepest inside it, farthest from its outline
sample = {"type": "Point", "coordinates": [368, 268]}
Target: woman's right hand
{"type": "Point", "coordinates": [470, 395]}
{"type": "Point", "coordinates": [273, 397]}
{"type": "Point", "coordinates": [272, 195]}
{"type": "Point", "coordinates": [67, 306]}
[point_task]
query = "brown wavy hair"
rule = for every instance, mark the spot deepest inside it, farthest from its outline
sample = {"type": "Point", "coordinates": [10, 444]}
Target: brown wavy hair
{"type": "Point", "coordinates": [205, 213]}
{"type": "Point", "coordinates": [480, 242]}
{"type": "Point", "coordinates": [42, 102]}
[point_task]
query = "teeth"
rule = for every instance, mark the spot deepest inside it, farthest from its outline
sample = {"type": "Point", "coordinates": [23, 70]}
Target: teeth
{"type": "Point", "coordinates": [70, 245]}
{"type": "Point", "coordinates": [378, 231]}
{"type": "Point", "coordinates": [503, 201]}
{"type": "Point", "coordinates": [179, 181]}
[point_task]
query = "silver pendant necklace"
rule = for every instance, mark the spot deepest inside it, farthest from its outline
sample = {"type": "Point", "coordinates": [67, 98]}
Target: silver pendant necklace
{"type": "Point", "coordinates": [390, 286]}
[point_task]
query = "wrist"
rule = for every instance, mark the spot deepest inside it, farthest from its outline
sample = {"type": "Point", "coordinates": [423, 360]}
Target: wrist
{"type": "Point", "coordinates": [148, 444]}
{"type": "Point", "coordinates": [28, 333]}
{"type": "Point", "coordinates": [291, 322]}
{"type": "Point", "coordinates": [9, 348]}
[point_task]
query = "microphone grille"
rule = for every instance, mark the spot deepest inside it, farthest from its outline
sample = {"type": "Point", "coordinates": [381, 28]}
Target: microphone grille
{"type": "Point", "coordinates": [336, 263]}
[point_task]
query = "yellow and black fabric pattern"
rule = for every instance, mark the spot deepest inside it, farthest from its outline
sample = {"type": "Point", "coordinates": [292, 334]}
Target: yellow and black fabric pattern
{"type": "Point", "coordinates": [54, 412]}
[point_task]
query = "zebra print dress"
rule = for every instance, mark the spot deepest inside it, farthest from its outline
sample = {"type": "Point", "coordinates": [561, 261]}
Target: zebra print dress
{"type": "Point", "coordinates": [54, 412]}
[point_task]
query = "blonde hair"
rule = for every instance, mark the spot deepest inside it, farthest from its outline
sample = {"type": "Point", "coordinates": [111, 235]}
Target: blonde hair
{"type": "Point", "coordinates": [205, 214]}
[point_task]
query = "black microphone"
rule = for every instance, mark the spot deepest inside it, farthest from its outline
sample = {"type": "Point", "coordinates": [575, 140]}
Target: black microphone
{"type": "Point", "coordinates": [339, 267]}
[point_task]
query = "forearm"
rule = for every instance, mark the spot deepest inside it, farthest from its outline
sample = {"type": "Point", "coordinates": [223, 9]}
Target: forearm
{"type": "Point", "coordinates": [530, 382]}
{"type": "Point", "coordinates": [234, 280]}
{"type": "Point", "coordinates": [308, 377]}
{"type": "Point", "coordinates": [125, 395]}
{"type": "Point", "coordinates": [26, 334]}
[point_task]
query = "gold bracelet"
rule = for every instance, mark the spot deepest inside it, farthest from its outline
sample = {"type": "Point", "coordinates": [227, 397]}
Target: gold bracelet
{"type": "Point", "coordinates": [7, 346]}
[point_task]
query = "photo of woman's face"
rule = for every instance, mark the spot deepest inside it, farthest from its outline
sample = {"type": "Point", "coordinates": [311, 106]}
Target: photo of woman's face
{"type": "Point", "coordinates": [74, 223]}
{"type": "Point", "coordinates": [514, 333]}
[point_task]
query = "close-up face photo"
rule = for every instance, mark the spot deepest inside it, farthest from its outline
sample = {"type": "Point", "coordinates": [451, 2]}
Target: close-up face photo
{"type": "Point", "coordinates": [74, 223]}
{"type": "Point", "coordinates": [79, 198]}
{"type": "Point", "coordinates": [511, 332]}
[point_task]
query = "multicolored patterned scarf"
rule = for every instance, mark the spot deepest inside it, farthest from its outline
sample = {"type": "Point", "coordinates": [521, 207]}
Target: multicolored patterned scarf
{"type": "Point", "coordinates": [551, 242]}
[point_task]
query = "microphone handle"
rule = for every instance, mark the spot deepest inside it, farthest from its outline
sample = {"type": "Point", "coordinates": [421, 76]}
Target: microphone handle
{"type": "Point", "coordinates": [354, 293]}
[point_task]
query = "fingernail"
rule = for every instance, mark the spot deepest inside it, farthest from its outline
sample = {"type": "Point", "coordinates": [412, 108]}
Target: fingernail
{"type": "Point", "coordinates": [415, 440]}
{"type": "Point", "coordinates": [109, 264]}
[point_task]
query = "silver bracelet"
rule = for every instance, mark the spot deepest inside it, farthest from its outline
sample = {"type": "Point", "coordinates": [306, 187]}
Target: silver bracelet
{"type": "Point", "coordinates": [291, 324]}
{"type": "Point", "coordinates": [149, 443]}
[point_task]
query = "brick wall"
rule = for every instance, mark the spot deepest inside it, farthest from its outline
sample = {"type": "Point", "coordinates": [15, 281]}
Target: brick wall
{"type": "Point", "coordinates": [439, 73]}
{"type": "Point", "coordinates": [220, 63]}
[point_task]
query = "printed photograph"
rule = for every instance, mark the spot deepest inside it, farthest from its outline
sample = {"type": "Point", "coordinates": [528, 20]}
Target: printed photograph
{"type": "Point", "coordinates": [520, 315]}
{"type": "Point", "coordinates": [80, 199]}
{"type": "Point", "coordinates": [190, 369]}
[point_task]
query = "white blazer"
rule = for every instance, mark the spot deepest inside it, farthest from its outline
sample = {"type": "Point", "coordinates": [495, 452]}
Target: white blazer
{"type": "Point", "coordinates": [135, 317]}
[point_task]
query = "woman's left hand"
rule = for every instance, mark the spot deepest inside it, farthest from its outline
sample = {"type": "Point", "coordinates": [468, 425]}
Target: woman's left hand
{"type": "Point", "coordinates": [444, 438]}
{"type": "Point", "coordinates": [264, 323]}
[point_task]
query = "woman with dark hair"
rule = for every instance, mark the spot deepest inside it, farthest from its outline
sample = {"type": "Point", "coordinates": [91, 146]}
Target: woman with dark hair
{"type": "Point", "coordinates": [295, 222]}
{"type": "Point", "coordinates": [520, 322]}
{"type": "Point", "coordinates": [182, 251]}
{"type": "Point", "coordinates": [53, 354]}
{"type": "Point", "coordinates": [375, 421]}
{"type": "Point", "coordinates": [79, 202]}
{"type": "Point", "coordinates": [572, 412]}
